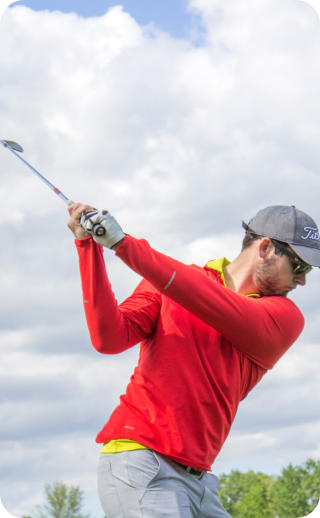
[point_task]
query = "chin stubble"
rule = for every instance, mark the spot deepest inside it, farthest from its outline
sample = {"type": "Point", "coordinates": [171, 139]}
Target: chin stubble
{"type": "Point", "coordinates": [267, 281]}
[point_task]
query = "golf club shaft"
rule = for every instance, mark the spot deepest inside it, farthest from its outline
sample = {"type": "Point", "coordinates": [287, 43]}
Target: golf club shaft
{"type": "Point", "coordinates": [49, 184]}
{"type": "Point", "coordinates": [97, 230]}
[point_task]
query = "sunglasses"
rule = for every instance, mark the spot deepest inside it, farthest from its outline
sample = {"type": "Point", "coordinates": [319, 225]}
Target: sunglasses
{"type": "Point", "coordinates": [298, 266]}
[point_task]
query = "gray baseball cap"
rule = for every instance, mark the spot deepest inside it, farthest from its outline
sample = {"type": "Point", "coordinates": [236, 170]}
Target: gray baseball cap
{"type": "Point", "coordinates": [289, 225]}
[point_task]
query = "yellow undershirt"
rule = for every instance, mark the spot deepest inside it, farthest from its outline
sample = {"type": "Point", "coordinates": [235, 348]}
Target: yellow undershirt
{"type": "Point", "coordinates": [119, 445]}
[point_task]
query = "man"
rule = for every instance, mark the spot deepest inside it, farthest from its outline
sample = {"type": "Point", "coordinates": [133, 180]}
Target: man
{"type": "Point", "coordinates": [208, 335]}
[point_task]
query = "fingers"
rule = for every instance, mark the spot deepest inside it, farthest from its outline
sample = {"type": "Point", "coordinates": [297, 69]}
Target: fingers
{"type": "Point", "coordinates": [75, 211]}
{"type": "Point", "coordinates": [86, 221]}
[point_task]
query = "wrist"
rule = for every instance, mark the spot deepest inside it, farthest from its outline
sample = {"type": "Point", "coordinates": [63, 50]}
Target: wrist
{"type": "Point", "coordinates": [79, 233]}
{"type": "Point", "coordinates": [82, 238]}
{"type": "Point", "coordinates": [114, 247]}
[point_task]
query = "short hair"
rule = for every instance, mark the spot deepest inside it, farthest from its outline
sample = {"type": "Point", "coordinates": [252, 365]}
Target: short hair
{"type": "Point", "coordinates": [250, 237]}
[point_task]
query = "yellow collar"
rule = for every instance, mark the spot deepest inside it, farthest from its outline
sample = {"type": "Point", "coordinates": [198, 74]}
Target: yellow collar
{"type": "Point", "coordinates": [218, 265]}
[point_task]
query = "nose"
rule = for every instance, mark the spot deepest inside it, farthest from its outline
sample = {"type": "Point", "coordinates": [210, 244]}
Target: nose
{"type": "Point", "coordinates": [301, 279]}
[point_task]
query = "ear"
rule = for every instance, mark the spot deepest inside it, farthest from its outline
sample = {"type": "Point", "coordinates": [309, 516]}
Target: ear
{"type": "Point", "coordinates": [265, 247]}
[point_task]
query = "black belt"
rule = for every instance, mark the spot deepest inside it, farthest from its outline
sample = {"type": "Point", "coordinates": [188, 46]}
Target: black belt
{"type": "Point", "coordinates": [192, 471]}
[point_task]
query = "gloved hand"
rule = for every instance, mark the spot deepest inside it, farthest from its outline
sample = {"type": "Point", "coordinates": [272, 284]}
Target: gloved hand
{"type": "Point", "coordinates": [103, 227]}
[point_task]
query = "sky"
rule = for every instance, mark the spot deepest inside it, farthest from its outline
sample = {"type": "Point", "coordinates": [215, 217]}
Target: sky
{"type": "Point", "coordinates": [167, 15]}
{"type": "Point", "coordinates": [182, 118]}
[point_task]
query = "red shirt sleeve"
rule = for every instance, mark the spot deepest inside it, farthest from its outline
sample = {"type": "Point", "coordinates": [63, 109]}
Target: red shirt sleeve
{"type": "Point", "coordinates": [263, 329]}
{"type": "Point", "coordinates": [113, 328]}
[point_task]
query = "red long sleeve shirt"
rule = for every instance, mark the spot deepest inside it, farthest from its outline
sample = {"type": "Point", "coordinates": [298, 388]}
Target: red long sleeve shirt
{"type": "Point", "coordinates": [203, 348]}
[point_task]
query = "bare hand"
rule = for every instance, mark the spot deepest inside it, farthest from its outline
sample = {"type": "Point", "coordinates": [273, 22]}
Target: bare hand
{"type": "Point", "coordinates": [75, 212]}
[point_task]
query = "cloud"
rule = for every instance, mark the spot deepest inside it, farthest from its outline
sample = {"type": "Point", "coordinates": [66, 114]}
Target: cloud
{"type": "Point", "coordinates": [4, 4]}
{"type": "Point", "coordinates": [180, 142]}
{"type": "Point", "coordinates": [315, 4]}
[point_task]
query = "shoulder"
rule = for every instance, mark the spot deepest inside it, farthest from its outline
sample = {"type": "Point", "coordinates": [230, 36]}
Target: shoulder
{"type": "Point", "coordinates": [285, 311]}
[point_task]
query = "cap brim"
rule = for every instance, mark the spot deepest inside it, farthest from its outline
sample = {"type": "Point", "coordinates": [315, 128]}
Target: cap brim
{"type": "Point", "coordinates": [307, 254]}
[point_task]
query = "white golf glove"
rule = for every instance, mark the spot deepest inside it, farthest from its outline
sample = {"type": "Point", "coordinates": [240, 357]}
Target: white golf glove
{"type": "Point", "coordinates": [104, 229]}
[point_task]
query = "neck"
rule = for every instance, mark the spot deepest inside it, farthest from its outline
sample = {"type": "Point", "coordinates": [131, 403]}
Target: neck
{"type": "Point", "coordinates": [239, 274]}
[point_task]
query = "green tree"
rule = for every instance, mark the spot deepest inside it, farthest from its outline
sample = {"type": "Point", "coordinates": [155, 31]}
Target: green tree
{"type": "Point", "coordinates": [62, 502]}
{"type": "Point", "coordinates": [297, 491]}
{"type": "Point", "coordinates": [312, 482]}
{"type": "Point", "coordinates": [247, 495]}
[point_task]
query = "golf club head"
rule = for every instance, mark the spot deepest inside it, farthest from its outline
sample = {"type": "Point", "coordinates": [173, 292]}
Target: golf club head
{"type": "Point", "coordinates": [14, 145]}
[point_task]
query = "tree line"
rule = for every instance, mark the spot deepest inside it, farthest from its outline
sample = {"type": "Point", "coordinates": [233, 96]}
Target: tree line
{"type": "Point", "coordinates": [293, 494]}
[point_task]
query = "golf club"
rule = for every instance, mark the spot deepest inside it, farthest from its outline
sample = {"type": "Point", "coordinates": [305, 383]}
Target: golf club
{"type": "Point", "coordinates": [15, 148]}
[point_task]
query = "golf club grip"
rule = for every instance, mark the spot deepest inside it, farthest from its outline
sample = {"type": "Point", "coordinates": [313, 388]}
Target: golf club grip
{"type": "Point", "coordinates": [98, 230]}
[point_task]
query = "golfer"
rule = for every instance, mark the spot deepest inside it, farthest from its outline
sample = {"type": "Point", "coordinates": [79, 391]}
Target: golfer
{"type": "Point", "coordinates": [207, 336]}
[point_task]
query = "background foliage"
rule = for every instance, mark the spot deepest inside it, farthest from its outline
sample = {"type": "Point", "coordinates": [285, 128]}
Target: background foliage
{"type": "Point", "coordinates": [294, 494]}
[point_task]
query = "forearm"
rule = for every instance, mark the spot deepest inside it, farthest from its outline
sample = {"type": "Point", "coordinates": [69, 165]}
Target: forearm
{"type": "Point", "coordinates": [107, 325]}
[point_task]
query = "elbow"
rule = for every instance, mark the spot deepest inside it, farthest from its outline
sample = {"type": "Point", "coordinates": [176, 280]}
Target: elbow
{"type": "Point", "coordinates": [108, 344]}
{"type": "Point", "coordinates": [108, 337]}
{"type": "Point", "coordinates": [105, 349]}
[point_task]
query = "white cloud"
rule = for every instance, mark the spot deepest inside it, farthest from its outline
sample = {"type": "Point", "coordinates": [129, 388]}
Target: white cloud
{"type": "Point", "coordinates": [250, 449]}
{"type": "Point", "coordinates": [181, 143]}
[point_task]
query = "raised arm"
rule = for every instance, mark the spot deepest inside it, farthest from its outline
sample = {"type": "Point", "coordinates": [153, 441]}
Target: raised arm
{"type": "Point", "coordinates": [263, 329]}
{"type": "Point", "coordinates": [113, 328]}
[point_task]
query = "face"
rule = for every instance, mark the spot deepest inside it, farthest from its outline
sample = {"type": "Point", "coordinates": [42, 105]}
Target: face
{"type": "Point", "coordinates": [275, 275]}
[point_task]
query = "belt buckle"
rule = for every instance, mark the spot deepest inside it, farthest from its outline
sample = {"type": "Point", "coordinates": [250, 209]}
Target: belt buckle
{"type": "Point", "coordinates": [194, 472]}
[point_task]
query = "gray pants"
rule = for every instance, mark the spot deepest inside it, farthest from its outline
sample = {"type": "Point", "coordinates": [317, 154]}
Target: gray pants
{"type": "Point", "coordinates": [145, 484]}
